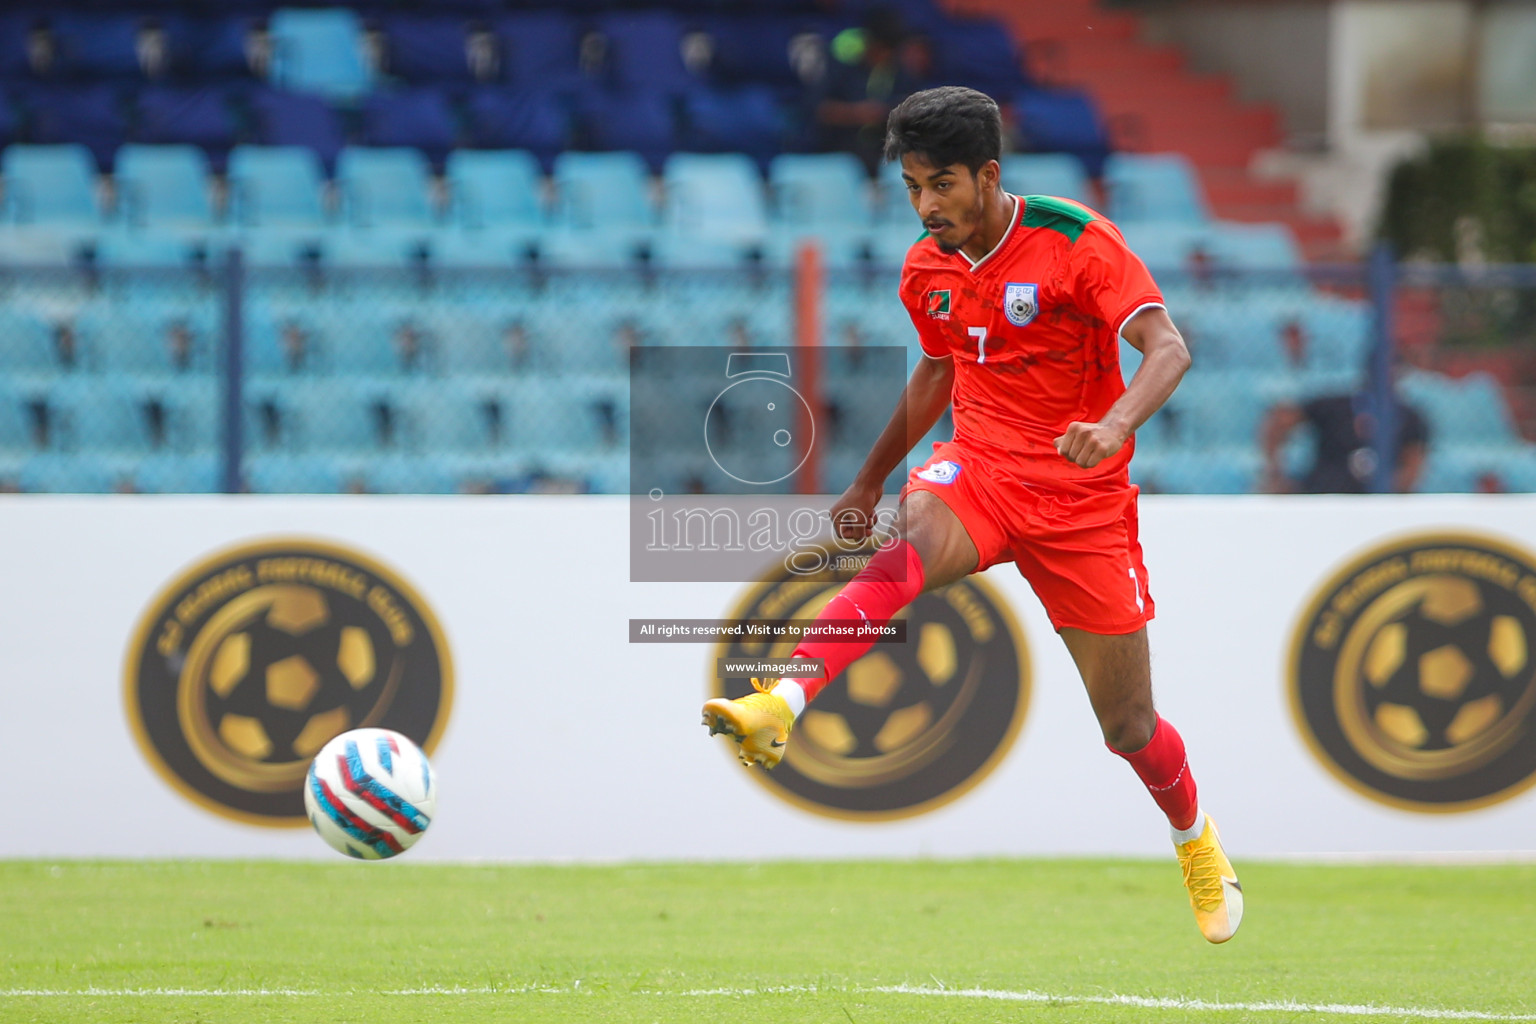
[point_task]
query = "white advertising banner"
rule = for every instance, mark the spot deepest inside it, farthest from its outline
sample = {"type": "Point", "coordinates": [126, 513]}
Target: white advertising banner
{"type": "Point", "coordinates": [1351, 675]}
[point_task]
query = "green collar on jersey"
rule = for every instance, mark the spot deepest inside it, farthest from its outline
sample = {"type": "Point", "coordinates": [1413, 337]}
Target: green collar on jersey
{"type": "Point", "coordinates": [1050, 213]}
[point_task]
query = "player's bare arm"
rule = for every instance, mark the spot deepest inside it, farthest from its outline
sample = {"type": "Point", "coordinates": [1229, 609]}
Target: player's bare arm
{"type": "Point", "coordinates": [1165, 358]}
{"type": "Point", "coordinates": [922, 402]}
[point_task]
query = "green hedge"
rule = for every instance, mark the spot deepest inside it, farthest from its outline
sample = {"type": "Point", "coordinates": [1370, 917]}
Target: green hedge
{"type": "Point", "coordinates": [1463, 198]}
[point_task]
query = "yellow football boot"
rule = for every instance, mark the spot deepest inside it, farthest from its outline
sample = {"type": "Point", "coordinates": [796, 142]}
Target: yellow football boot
{"type": "Point", "coordinates": [759, 723]}
{"type": "Point", "coordinates": [1214, 891]}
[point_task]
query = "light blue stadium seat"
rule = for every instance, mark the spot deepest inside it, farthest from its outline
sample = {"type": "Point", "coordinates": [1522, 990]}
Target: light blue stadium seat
{"type": "Point", "coordinates": [389, 247]}
{"type": "Point", "coordinates": [99, 415]}
{"type": "Point", "coordinates": [1220, 410]}
{"type": "Point", "coordinates": [1154, 187]}
{"type": "Point", "coordinates": [1048, 174]}
{"type": "Point", "coordinates": [1231, 333]}
{"type": "Point", "coordinates": [1209, 473]}
{"type": "Point", "coordinates": [134, 248]}
{"type": "Point", "coordinates": [717, 195]}
{"type": "Point", "coordinates": [411, 476]}
{"type": "Point", "coordinates": [327, 415]}
{"type": "Point", "coordinates": [384, 186]}
{"type": "Point", "coordinates": [840, 250]}
{"type": "Point", "coordinates": [889, 243]}
{"type": "Point", "coordinates": [16, 418]}
{"type": "Point", "coordinates": [1255, 246]}
{"type": "Point", "coordinates": [275, 186]}
{"type": "Point", "coordinates": [1338, 333]}
{"type": "Point", "coordinates": [26, 342]}
{"type": "Point", "coordinates": [364, 342]}
{"type": "Point", "coordinates": [685, 252]}
{"type": "Point", "coordinates": [819, 193]}
{"type": "Point", "coordinates": [76, 474]}
{"type": "Point", "coordinates": [591, 249]}
{"type": "Point", "coordinates": [603, 191]}
{"type": "Point", "coordinates": [495, 188]}
{"type": "Point", "coordinates": [457, 247]}
{"type": "Point", "coordinates": [319, 51]}
{"type": "Point", "coordinates": [452, 416]}
{"type": "Point", "coordinates": [558, 413]}
{"type": "Point", "coordinates": [1469, 411]}
{"type": "Point", "coordinates": [164, 186]}
{"type": "Point", "coordinates": [893, 208]}
{"type": "Point", "coordinates": [180, 474]}
{"type": "Point", "coordinates": [50, 185]}
{"type": "Point", "coordinates": [192, 410]}
{"type": "Point", "coordinates": [290, 474]}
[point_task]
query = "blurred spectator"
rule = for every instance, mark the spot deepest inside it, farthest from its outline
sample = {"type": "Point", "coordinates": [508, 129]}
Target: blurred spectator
{"type": "Point", "coordinates": [865, 79]}
{"type": "Point", "coordinates": [66, 348]}
{"type": "Point", "coordinates": [178, 344]}
{"type": "Point", "coordinates": [294, 341]}
{"type": "Point", "coordinates": [1346, 461]}
{"type": "Point", "coordinates": [1490, 482]}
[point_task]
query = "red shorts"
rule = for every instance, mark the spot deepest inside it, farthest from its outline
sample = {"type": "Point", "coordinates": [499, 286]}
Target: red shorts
{"type": "Point", "coordinates": [1078, 548]}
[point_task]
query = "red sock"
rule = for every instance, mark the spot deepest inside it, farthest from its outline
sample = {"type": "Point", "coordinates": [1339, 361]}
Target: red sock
{"type": "Point", "coordinates": [891, 580]}
{"type": "Point", "coordinates": [1164, 770]}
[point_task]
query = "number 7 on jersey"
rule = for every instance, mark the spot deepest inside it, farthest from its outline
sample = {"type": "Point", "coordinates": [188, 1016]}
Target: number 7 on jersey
{"type": "Point", "coordinates": [980, 334]}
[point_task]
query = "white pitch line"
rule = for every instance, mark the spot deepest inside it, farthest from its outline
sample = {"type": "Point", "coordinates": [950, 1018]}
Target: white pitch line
{"type": "Point", "coordinates": [1001, 995]}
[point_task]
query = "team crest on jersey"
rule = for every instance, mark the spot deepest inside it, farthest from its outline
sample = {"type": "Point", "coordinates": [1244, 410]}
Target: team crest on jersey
{"type": "Point", "coordinates": [1021, 303]}
{"type": "Point", "coordinates": [940, 472]}
{"type": "Point", "coordinates": [938, 304]}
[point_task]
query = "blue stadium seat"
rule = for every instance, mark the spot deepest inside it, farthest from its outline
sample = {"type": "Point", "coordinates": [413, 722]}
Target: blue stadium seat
{"type": "Point", "coordinates": [275, 186]}
{"type": "Point", "coordinates": [714, 196]}
{"type": "Point", "coordinates": [645, 52]}
{"type": "Point", "coordinates": [979, 53]}
{"type": "Point", "coordinates": [812, 192]}
{"type": "Point", "coordinates": [420, 117]}
{"type": "Point", "coordinates": [539, 49]}
{"type": "Point", "coordinates": [15, 36]}
{"type": "Point", "coordinates": [182, 414]}
{"type": "Point", "coordinates": [18, 420]}
{"type": "Point", "coordinates": [495, 188]}
{"type": "Point", "coordinates": [602, 191]}
{"type": "Point", "coordinates": [1062, 121]}
{"type": "Point", "coordinates": [75, 474]}
{"type": "Point", "coordinates": [384, 186]}
{"type": "Point", "coordinates": [154, 248]}
{"type": "Point", "coordinates": [1154, 187]}
{"type": "Point", "coordinates": [754, 48]}
{"type": "Point", "coordinates": [164, 186]}
{"type": "Point", "coordinates": [411, 476]}
{"type": "Point", "coordinates": [197, 116]}
{"type": "Point", "coordinates": [746, 119]}
{"type": "Point", "coordinates": [641, 122]}
{"type": "Point", "coordinates": [1338, 335]}
{"type": "Point", "coordinates": [179, 474]}
{"type": "Point", "coordinates": [1208, 473]}
{"type": "Point", "coordinates": [295, 119]}
{"type": "Point", "coordinates": [317, 415]}
{"type": "Point", "coordinates": [141, 342]}
{"type": "Point", "coordinates": [91, 45]}
{"type": "Point", "coordinates": [1046, 174]}
{"type": "Point", "coordinates": [451, 417]}
{"type": "Point", "coordinates": [49, 185]}
{"type": "Point", "coordinates": [1255, 246]}
{"type": "Point", "coordinates": [319, 51]}
{"type": "Point", "coordinates": [427, 48]}
{"type": "Point", "coordinates": [208, 48]}
{"type": "Point", "coordinates": [291, 474]}
{"type": "Point", "coordinates": [459, 247]}
{"type": "Point", "coordinates": [518, 118]}
{"type": "Point", "coordinates": [1468, 411]}
{"type": "Point", "coordinates": [90, 115]}
{"type": "Point", "coordinates": [26, 342]}
{"type": "Point", "coordinates": [99, 415]}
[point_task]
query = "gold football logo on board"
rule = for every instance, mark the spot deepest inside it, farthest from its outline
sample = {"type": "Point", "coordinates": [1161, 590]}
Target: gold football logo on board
{"type": "Point", "coordinates": [1412, 676]}
{"type": "Point", "coordinates": [909, 726]}
{"type": "Point", "coordinates": [247, 663]}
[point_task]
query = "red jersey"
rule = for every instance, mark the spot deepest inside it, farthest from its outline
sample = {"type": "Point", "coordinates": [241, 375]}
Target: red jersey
{"type": "Point", "coordinates": [1034, 329]}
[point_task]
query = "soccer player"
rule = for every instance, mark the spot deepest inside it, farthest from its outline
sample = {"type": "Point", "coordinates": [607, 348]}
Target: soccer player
{"type": "Point", "coordinates": [1020, 303]}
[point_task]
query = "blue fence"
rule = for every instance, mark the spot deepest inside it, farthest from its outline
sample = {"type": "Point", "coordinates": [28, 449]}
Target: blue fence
{"type": "Point", "coordinates": [453, 381]}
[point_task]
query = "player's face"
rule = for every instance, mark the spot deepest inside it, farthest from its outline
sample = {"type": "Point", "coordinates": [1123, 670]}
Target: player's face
{"type": "Point", "coordinates": [948, 200]}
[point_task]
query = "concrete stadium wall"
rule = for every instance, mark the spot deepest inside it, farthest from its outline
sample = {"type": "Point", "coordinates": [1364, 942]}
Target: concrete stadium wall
{"type": "Point", "coordinates": [566, 741]}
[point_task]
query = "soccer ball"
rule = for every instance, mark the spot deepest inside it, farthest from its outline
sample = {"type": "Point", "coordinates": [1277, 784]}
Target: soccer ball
{"type": "Point", "coordinates": [370, 793]}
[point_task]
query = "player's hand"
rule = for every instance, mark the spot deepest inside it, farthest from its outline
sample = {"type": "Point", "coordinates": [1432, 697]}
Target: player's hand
{"type": "Point", "coordinates": [1088, 444]}
{"type": "Point", "coordinates": [853, 515]}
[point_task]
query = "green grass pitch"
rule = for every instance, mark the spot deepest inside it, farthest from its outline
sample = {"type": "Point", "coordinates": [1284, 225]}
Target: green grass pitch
{"type": "Point", "coordinates": [861, 942]}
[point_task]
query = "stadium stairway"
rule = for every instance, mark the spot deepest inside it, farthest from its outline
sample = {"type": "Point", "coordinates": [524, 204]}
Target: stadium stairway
{"type": "Point", "coordinates": [1153, 102]}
